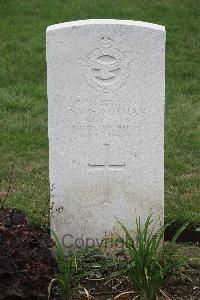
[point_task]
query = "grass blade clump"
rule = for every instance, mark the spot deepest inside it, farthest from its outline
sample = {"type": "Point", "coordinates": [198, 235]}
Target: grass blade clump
{"type": "Point", "coordinates": [66, 269]}
{"type": "Point", "coordinates": [150, 262]}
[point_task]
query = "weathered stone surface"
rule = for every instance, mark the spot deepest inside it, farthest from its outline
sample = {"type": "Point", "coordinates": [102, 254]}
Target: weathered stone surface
{"type": "Point", "coordinates": [106, 125]}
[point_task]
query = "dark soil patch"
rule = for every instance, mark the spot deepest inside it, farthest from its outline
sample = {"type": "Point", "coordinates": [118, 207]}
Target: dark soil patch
{"type": "Point", "coordinates": [189, 235]}
{"type": "Point", "coordinates": [177, 288]}
{"type": "Point", "coordinates": [27, 267]}
{"type": "Point", "coordinates": [26, 264]}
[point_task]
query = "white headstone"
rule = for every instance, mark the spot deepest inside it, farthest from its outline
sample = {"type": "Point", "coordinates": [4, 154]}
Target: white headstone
{"type": "Point", "coordinates": [106, 85]}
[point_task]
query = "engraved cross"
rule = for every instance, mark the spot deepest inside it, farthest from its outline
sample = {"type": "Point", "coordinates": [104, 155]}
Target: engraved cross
{"type": "Point", "coordinates": [106, 166]}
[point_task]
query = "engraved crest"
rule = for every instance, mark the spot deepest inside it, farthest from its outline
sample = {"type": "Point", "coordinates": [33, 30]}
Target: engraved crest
{"type": "Point", "coordinates": [106, 68]}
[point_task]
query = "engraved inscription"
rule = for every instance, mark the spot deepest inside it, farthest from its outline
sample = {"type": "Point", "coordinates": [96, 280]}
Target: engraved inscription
{"type": "Point", "coordinates": [106, 167]}
{"type": "Point", "coordinates": [110, 131]}
{"type": "Point", "coordinates": [110, 118]}
{"type": "Point", "coordinates": [106, 68]}
{"type": "Point", "coordinates": [113, 106]}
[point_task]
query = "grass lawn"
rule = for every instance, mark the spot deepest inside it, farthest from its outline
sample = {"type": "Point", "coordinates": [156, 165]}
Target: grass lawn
{"type": "Point", "coordinates": [23, 99]}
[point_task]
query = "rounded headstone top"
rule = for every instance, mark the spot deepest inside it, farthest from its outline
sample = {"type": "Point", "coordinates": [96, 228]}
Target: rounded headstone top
{"type": "Point", "coordinates": [105, 22]}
